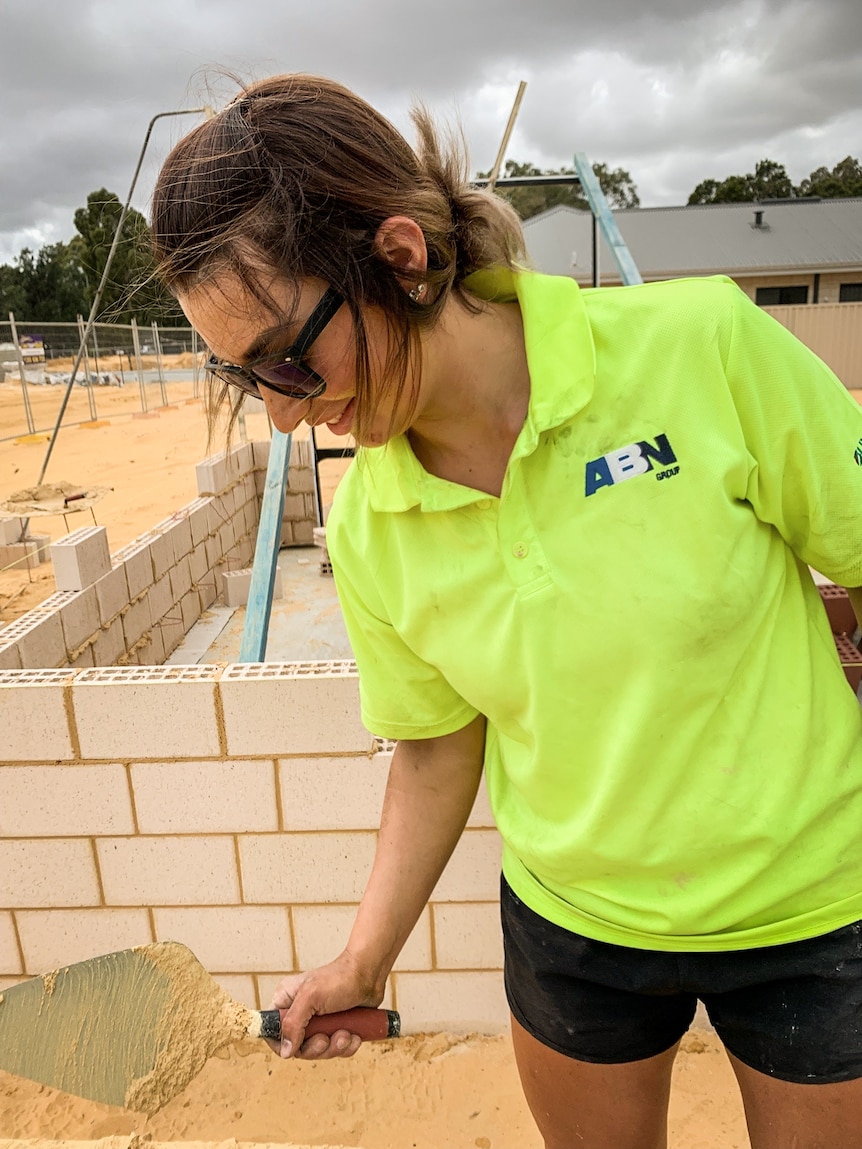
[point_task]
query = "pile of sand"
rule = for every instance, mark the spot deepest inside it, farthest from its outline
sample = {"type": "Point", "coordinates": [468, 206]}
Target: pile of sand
{"type": "Point", "coordinates": [432, 1092]}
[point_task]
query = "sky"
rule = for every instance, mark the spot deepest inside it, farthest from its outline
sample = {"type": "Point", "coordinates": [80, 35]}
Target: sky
{"type": "Point", "coordinates": [673, 91]}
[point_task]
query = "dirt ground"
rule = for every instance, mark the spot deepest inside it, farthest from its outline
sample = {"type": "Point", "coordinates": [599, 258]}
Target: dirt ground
{"type": "Point", "coordinates": [435, 1092]}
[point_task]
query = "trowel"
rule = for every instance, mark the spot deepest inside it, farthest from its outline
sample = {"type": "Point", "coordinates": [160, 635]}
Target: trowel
{"type": "Point", "coordinates": [133, 1028]}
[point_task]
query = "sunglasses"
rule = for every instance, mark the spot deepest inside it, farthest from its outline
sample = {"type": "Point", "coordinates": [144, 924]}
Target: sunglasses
{"type": "Point", "coordinates": [283, 372]}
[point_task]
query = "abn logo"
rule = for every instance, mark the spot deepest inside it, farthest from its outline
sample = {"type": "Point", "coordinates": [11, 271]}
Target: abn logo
{"type": "Point", "coordinates": [636, 459]}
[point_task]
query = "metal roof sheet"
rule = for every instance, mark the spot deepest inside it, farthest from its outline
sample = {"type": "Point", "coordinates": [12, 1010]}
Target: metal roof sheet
{"type": "Point", "coordinates": [798, 235]}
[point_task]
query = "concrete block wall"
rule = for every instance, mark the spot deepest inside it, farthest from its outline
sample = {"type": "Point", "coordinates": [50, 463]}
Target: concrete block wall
{"type": "Point", "coordinates": [231, 808]}
{"type": "Point", "coordinates": [136, 607]}
{"type": "Point", "coordinates": [300, 500]}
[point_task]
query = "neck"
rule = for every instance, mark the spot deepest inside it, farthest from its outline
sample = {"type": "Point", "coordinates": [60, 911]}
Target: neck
{"type": "Point", "coordinates": [475, 393]}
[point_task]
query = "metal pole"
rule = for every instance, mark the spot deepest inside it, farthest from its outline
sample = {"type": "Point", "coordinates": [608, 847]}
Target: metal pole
{"type": "Point", "coordinates": [504, 143]}
{"type": "Point", "coordinates": [31, 426]}
{"type": "Point", "coordinates": [142, 386]}
{"type": "Point", "coordinates": [97, 299]}
{"type": "Point", "coordinates": [157, 347]}
{"type": "Point", "coordinates": [88, 377]}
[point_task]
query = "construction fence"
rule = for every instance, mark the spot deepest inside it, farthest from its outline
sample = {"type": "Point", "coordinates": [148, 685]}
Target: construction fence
{"type": "Point", "coordinates": [152, 365]}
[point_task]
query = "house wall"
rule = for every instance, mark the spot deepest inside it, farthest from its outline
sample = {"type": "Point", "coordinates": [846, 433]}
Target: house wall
{"type": "Point", "coordinates": [833, 331]}
{"type": "Point", "coordinates": [231, 808]}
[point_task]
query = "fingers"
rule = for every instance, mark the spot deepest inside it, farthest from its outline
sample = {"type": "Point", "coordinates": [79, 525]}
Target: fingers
{"type": "Point", "coordinates": [323, 1048]}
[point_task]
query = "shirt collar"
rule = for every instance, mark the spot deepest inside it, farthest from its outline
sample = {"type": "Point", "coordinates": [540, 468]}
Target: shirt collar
{"type": "Point", "coordinates": [561, 359]}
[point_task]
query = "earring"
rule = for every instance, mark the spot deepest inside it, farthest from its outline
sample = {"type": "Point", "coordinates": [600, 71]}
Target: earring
{"type": "Point", "coordinates": [417, 292]}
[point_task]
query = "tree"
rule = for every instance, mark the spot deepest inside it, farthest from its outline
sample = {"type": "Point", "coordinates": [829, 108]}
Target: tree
{"type": "Point", "coordinates": [617, 185]}
{"type": "Point", "coordinates": [768, 181]}
{"type": "Point", "coordinates": [48, 286]}
{"type": "Point", "coordinates": [845, 179]}
{"type": "Point", "coordinates": [132, 289]}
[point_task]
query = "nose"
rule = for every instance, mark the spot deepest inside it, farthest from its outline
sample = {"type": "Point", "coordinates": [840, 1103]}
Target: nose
{"type": "Point", "coordinates": [286, 413]}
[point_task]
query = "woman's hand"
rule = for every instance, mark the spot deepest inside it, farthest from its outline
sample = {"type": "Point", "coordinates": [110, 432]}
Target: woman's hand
{"type": "Point", "coordinates": [328, 989]}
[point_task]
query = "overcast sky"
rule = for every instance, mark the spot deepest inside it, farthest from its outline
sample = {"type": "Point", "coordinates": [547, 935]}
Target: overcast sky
{"type": "Point", "coordinates": [672, 90]}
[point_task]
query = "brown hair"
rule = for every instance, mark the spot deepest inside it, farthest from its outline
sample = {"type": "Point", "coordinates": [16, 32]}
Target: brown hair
{"type": "Point", "coordinates": [296, 174]}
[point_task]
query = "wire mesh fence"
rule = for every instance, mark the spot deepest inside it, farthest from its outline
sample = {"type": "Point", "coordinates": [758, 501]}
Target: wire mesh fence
{"type": "Point", "coordinates": [152, 365]}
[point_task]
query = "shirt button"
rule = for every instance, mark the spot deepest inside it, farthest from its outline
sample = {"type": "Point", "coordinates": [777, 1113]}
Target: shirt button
{"type": "Point", "coordinates": [519, 550]}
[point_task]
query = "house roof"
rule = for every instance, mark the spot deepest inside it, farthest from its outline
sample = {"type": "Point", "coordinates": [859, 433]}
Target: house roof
{"type": "Point", "coordinates": [796, 235]}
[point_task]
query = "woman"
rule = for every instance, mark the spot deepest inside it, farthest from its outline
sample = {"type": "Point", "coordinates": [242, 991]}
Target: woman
{"type": "Point", "coordinates": [574, 551]}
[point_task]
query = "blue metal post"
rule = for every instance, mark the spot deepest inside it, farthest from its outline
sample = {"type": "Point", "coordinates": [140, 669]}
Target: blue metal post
{"type": "Point", "coordinates": [599, 205]}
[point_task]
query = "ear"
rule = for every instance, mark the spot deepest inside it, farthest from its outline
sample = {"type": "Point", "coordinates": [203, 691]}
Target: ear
{"type": "Point", "coordinates": [399, 240]}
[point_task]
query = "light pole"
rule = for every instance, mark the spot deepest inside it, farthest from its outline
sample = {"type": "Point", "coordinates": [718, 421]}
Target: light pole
{"type": "Point", "coordinates": [207, 111]}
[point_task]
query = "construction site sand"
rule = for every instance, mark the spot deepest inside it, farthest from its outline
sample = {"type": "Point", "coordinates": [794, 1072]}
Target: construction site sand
{"type": "Point", "coordinates": [147, 462]}
{"type": "Point", "coordinates": [421, 1092]}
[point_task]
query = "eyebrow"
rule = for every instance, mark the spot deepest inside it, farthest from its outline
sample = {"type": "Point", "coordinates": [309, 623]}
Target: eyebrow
{"type": "Point", "coordinates": [266, 341]}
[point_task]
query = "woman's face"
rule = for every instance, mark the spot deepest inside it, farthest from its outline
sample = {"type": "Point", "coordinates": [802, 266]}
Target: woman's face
{"type": "Point", "coordinates": [231, 320]}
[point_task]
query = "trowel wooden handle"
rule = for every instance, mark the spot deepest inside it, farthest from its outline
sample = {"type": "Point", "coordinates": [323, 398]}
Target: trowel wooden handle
{"type": "Point", "coordinates": [370, 1024]}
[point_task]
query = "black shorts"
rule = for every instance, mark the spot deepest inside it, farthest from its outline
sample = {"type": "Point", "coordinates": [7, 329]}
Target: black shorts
{"type": "Point", "coordinates": [791, 1011]}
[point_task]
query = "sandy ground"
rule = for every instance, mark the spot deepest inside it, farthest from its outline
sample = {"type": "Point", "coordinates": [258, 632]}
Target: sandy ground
{"type": "Point", "coordinates": [436, 1092]}
{"type": "Point", "coordinates": [147, 462]}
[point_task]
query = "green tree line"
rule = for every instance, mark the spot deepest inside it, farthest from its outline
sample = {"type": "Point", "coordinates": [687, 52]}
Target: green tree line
{"type": "Point", "coordinates": [59, 282]}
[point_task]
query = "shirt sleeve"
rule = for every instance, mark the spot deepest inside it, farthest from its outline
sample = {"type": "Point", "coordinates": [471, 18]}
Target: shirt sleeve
{"type": "Point", "coordinates": [401, 695]}
{"type": "Point", "coordinates": [803, 431]}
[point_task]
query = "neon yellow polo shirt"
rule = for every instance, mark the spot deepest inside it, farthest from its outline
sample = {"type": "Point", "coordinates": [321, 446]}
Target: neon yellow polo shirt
{"type": "Point", "coordinates": [673, 758]}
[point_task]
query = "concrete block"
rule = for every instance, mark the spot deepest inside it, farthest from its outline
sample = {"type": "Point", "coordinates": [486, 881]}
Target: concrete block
{"type": "Point", "coordinates": [321, 698]}
{"type": "Point", "coordinates": [246, 552]}
{"type": "Point", "coordinates": [303, 533]}
{"type": "Point", "coordinates": [321, 932]}
{"type": "Point", "coordinates": [286, 536]}
{"type": "Point", "coordinates": [161, 550]}
{"type": "Point", "coordinates": [22, 556]}
{"type": "Point", "coordinates": [79, 615]}
{"type": "Point", "coordinates": [34, 726]}
{"type": "Point", "coordinates": [160, 712]}
{"type": "Point", "coordinates": [198, 564]}
{"type": "Point", "coordinates": [137, 561]}
{"type": "Point", "coordinates": [294, 506]}
{"type": "Point", "coordinates": [454, 1002]}
{"type": "Point", "coordinates": [207, 592]}
{"type": "Point", "coordinates": [181, 579]}
{"type": "Point", "coordinates": [10, 958]}
{"type": "Point", "coordinates": [64, 801]}
{"type": "Point", "coordinates": [300, 480]}
{"type": "Point", "coordinates": [332, 793]}
{"type": "Point", "coordinates": [181, 535]}
{"type": "Point", "coordinates": [112, 594]}
{"type": "Point", "coordinates": [136, 621]}
{"type": "Point", "coordinates": [153, 653]}
{"type": "Point", "coordinates": [212, 475]}
{"type": "Point", "coordinates": [11, 531]}
{"type": "Point", "coordinates": [226, 536]}
{"type": "Point", "coordinates": [54, 937]}
{"type": "Point", "coordinates": [301, 453]}
{"type": "Point", "coordinates": [35, 874]}
{"type": "Point", "coordinates": [306, 867]}
{"type": "Point", "coordinates": [161, 598]}
{"type": "Point", "coordinates": [81, 558]}
{"type": "Point", "coordinates": [84, 659]}
{"type": "Point", "coordinates": [240, 458]}
{"type": "Point", "coordinates": [231, 939]}
{"type": "Point", "coordinates": [473, 872]}
{"type": "Point", "coordinates": [42, 544]}
{"type": "Point", "coordinates": [172, 631]}
{"type": "Point", "coordinates": [214, 551]}
{"type": "Point", "coordinates": [237, 584]}
{"type": "Point", "coordinates": [169, 871]}
{"type": "Point", "coordinates": [10, 655]}
{"type": "Point", "coordinates": [190, 609]}
{"type": "Point", "coordinates": [198, 520]}
{"type": "Point", "coordinates": [39, 638]}
{"type": "Point", "coordinates": [260, 452]}
{"type": "Point", "coordinates": [468, 935]}
{"type": "Point", "coordinates": [109, 645]}
{"type": "Point", "coordinates": [205, 797]}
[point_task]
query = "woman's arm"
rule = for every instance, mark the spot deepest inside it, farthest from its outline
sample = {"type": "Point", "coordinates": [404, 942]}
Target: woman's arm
{"type": "Point", "coordinates": [430, 792]}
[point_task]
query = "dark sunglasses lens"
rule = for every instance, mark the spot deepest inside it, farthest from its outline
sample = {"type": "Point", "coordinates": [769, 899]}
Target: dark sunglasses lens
{"type": "Point", "coordinates": [238, 379]}
{"type": "Point", "coordinates": [291, 379]}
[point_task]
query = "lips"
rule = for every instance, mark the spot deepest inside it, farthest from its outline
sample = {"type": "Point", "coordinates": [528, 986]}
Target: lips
{"type": "Point", "coordinates": [344, 422]}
